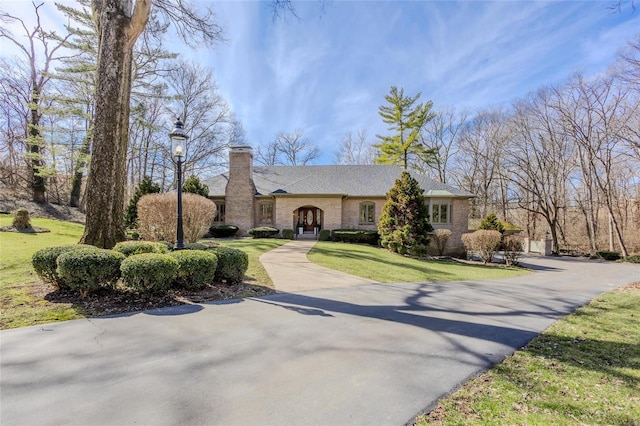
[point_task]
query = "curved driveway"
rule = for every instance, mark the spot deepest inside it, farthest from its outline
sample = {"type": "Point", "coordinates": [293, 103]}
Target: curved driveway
{"type": "Point", "coordinates": [372, 354]}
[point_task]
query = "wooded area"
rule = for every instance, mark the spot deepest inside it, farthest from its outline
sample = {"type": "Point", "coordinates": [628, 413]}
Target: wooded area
{"type": "Point", "coordinates": [566, 158]}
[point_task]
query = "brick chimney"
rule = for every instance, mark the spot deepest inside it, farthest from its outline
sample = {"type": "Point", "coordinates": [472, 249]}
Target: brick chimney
{"type": "Point", "coordinates": [240, 190]}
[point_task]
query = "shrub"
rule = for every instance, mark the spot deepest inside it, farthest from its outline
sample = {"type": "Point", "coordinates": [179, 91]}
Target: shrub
{"type": "Point", "coordinates": [263, 232]}
{"type": "Point", "coordinates": [483, 242]}
{"type": "Point", "coordinates": [440, 238]}
{"type": "Point", "coordinates": [325, 235]}
{"type": "Point", "coordinates": [608, 255]}
{"type": "Point", "coordinates": [491, 223]}
{"type": "Point", "coordinates": [21, 219]}
{"type": "Point", "coordinates": [223, 231]}
{"type": "Point", "coordinates": [633, 259]}
{"type": "Point", "coordinates": [44, 262]}
{"type": "Point", "coordinates": [513, 246]}
{"type": "Point", "coordinates": [360, 236]}
{"type": "Point", "coordinates": [129, 248]}
{"type": "Point", "coordinates": [157, 216]}
{"type": "Point", "coordinates": [287, 234]}
{"type": "Point", "coordinates": [88, 269]}
{"type": "Point", "coordinates": [132, 234]}
{"type": "Point", "coordinates": [232, 264]}
{"type": "Point", "coordinates": [149, 272]}
{"type": "Point", "coordinates": [167, 245]}
{"type": "Point", "coordinates": [196, 268]}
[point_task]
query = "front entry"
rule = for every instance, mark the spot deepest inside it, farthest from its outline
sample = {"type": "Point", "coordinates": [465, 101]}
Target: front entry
{"type": "Point", "coordinates": [307, 218]}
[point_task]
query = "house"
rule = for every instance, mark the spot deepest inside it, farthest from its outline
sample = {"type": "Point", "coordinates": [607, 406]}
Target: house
{"type": "Point", "coordinates": [309, 198]}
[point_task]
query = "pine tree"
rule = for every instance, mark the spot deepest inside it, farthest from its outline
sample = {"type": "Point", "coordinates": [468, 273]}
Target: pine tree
{"type": "Point", "coordinates": [194, 186]}
{"type": "Point", "coordinates": [147, 186]}
{"type": "Point", "coordinates": [491, 223]}
{"type": "Point", "coordinates": [404, 222]}
{"type": "Point", "coordinates": [406, 121]}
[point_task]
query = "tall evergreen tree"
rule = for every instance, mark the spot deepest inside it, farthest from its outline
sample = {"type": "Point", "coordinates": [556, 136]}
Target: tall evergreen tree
{"type": "Point", "coordinates": [405, 121]}
{"type": "Point", "coordinates": [404, 222]}
{"type": "Point", "coordinates": [194, 186]}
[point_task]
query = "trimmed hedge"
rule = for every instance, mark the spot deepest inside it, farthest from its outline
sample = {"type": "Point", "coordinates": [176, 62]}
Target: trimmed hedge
{"type": "Point", "coordinates": [89, 269]}
{"type": "Point", "coordinates": [232, 264]}
{"type": "Point", "coordinates": [633, 259]}
{"type": "Point", "coordinates": [129, 248]}
{"type": "Point", "coordinates": [325, 235]}
{"type": "Point", "coordinates": [263, 232]}
{"type": "Point", "coordinates": [196, 268]}
{"type": "Point", "coordinates": [196, 246]}
{"type": "Point", "coordinates": [361, 236]}
{"type": "Point", "coordinates": [223, 231]}
{"type": "Point", "coordinates": [44, 262]}
{"type": "Point", "coordinates": [149, 272]}
{"type": "Point", "coordinates": [287, 234]}
{"type": "Point", "coordinates": [608, 255]}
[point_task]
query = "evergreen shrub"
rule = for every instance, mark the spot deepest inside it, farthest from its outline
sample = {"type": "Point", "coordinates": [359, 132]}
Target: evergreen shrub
{"type": "Point", "coordinates": [194, 186]}
{"type": "Point", "coordinates": [44, 262]}
{"type": "Point", "coordinates": [89, 269]}
{"type": "Point", "coordinates": [608, 255]}
{"type": "Point", "coordinates": [360, 236]}
{"type": "Point", "coordinates": [325, 235]}
{"type": "Point", "coordinates": [129, 248]}
{"type": "Point", "coordinates": [263, 232]}
{"type": "Point", "coordinates": [149, 272]}
{"type": "Point", "coordinates": [491, 222]}
{"type": "Point", "coordinates": [146, 186]}
{"type": "Point", "coordinates": [633, 259]}
{"type": "Point", "coordinates": [196, 246]}
{"type": "Point", "coordinates": [232, 264]}
{"type": "Point", "coordinates": [223, 231]}
{"type": "Point", "coordinates": [196, 268]}
{"type": "Point", "coordinates": [287, 234]}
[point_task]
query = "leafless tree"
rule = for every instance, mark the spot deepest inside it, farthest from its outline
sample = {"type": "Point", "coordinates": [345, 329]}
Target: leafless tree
{"type": "Point", "coordinates": [291, 149]}
{"type": "Point", "coordinates": [355, 149]}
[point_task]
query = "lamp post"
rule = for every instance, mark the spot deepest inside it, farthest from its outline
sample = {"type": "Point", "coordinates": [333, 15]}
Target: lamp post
{"type": "Point", "coordinates": [178, 150]}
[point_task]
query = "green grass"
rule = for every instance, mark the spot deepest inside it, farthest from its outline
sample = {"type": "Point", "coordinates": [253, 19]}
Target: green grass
{"type": "Point", "coordinates": [381, 265]}
{"type": "Point", "coordinates": [19, 306]}
{"type": "Point", "coordinates": [256, 274]}
{"type": "Point", "coordinates": [584, 369]}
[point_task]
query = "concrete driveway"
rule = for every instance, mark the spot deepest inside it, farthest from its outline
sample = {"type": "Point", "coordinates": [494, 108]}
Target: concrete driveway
{"type": "Point", "coordinates": [373, 354]}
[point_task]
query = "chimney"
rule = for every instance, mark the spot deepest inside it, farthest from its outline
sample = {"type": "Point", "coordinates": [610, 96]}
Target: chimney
{"type": "Point", "coordinates": [240, 190]}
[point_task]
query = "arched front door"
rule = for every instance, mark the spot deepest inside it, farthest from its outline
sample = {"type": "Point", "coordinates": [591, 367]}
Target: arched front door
{"type": "Point", "coordinates": [309, 218]}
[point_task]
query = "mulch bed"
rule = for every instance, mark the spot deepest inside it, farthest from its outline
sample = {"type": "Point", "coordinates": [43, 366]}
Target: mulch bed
{"type": "Point", "coordinates": [120, 301]}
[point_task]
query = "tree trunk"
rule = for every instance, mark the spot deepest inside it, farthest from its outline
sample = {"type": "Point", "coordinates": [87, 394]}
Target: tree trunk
{"type": "Point", "coordinates": [38, 184]}
{"type": "Point", "coordinates": [118, 29]}
{"type": "Point", "coordinates": [76, 185]}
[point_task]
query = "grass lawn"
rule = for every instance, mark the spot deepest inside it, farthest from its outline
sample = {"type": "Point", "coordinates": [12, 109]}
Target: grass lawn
{"type": "Point", "coordinates": [19, 306]}
{"type": "Point", "coordinates": [381, 265]}
{"type": "Point", "coordinates": [583, 370]}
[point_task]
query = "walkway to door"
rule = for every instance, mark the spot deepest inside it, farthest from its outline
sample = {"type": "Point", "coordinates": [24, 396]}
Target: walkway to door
{"type": "Point", "coordinates": [291, 271]}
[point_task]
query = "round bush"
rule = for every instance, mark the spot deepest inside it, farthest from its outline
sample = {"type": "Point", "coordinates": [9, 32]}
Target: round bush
{"type": "Point", "coordinates": [232, 264]}
{"type": "Point", "coordinates": [196, 268]}
{"type": "Point", "coordinates": [263, 232]}
{"type": "Point", "coordinates": [149, 272]}
{"type": "Point", "coordinates": [223, 231]}
{"type": "Point", "coordinates": [129, 248]}
{"type": "Point", "coordinates": [44, 262]}
{"type": "Point", "coordinates": [287, 234]}
{"type": "Point", "coordinates": [89, 269]}
{"type": "Point", "coordinates": [196, 246]}
{"type": "Point", "coordinates": [325, 235]}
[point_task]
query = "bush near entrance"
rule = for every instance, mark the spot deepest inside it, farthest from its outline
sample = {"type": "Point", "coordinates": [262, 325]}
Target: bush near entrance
{"type": "Point", "coordinates": [263, 232]}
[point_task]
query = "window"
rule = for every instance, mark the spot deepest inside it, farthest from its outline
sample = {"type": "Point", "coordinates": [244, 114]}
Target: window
{"type": "Point", "coordinates": [220, 209]}
{"type": "Point", "coordinates": [367, 213]}
{"type": "Point", "coordinates": [265, 213]}
{"type": "Point", "coordinates": [440, 213]}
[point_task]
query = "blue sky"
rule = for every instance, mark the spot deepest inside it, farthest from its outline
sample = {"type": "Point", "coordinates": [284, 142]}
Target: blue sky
{"type": "Point", "coordinates": [328, 72]}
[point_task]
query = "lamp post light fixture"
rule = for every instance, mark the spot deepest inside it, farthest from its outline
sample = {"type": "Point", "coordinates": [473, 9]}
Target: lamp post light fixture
{"type": "Point", "coordinates": [178, 150]}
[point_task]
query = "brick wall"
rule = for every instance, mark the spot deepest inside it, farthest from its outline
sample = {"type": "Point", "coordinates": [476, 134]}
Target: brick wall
{"type": "Point", "coordinates": [351, 212]}
{"type": "Point", "coordinates": [285, 208]}
{"type": "Point", "coordinates": [240, 191]}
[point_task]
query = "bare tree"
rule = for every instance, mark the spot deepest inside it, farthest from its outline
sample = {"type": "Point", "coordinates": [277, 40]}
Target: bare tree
{"type": "Point", "coordinates": [355, 149]}
{"type": "Point", "coordinates": [41, 51]}
{"type": "Point", "coordinates": [291, 149]}
{"type": "Point", "coordinates": [441, 135]}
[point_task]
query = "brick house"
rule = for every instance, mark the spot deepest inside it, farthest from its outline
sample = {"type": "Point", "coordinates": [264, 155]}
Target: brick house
{"type": "Point", "coordinates": [309, 198]}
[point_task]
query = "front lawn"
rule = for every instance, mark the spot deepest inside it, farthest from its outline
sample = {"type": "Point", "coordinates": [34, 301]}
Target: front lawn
{"type": "Point", "coordinates": [381, 265]}
{"type": "Point", "coordinates": [256, 273]}
{"type": "Point", "coordinates": [583, 370]}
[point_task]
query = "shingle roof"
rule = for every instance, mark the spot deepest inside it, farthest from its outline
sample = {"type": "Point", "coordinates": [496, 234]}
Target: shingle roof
{"type": "Point", "coordinates": [374, 180]}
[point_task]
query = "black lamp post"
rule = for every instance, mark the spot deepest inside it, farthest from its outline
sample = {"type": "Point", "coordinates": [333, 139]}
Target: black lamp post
{"type": "Point", "coordinates": [178, 149]}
